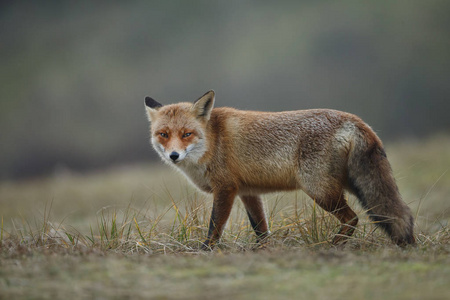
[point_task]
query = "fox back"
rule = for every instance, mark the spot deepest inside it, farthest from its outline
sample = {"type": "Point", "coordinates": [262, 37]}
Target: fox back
{"type": "Point", "coordinates": [229, 153]}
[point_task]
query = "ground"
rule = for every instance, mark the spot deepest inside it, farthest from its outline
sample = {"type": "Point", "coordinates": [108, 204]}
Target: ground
{"type": "Point", "coordinates": [134, 232]}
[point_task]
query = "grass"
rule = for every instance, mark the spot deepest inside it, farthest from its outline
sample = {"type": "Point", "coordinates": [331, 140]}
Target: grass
{"type": "Point", "coordinates": [135, 233]}
{"type": "Point", "coordinates": [288, 274]}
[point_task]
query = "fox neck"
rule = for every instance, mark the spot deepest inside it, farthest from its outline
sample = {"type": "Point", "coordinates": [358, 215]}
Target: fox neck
{"type": "Point", "coordinates": [196, 173]}
{"type": "Point", "coordinates": [194, 166]}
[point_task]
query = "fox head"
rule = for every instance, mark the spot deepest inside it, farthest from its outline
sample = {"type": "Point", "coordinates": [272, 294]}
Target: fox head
{"type": "Point", "coordinates": [178, 130]}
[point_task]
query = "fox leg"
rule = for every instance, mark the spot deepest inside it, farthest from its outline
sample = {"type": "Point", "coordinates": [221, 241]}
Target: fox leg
{"type": "Point", "coordinates": [339, 208]}
{"type": "Point", "coordinates": [223, 202]}
{"type": "Point", "coordinates": [255, 212]}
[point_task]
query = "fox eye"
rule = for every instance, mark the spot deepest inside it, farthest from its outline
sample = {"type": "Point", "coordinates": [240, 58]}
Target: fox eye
{"type": "Point", "coordinates": [187, 134]}
{"type": "Point", "coordinates": [164, 135]}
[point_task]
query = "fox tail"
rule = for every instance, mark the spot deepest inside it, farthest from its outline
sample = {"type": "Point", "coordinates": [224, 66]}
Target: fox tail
{"type": "Point", "coordinates": [371, 180]}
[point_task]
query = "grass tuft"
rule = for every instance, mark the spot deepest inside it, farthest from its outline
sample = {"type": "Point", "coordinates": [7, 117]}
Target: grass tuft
{"type": "Point", "coordinates": [130, 231]}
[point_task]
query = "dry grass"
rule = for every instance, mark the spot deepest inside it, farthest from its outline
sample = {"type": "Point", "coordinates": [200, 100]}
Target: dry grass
{"type": "Point", "coordinates": [76, 228]}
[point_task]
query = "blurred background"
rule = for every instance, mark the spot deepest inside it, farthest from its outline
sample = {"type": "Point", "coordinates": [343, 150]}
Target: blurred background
{"type": "Point", "coordinates": [74, 74]}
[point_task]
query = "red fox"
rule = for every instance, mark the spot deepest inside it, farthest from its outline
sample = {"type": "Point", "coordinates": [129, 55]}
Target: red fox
{"type": "Point", "coordinates": [229, 153]}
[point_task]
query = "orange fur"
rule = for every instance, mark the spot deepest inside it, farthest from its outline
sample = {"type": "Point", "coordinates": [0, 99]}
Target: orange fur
{"type": "Point", "coordinates": [228, 152]}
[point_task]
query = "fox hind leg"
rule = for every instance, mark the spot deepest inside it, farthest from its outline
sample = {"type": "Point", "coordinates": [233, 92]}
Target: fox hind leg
{"type": "Point", "coordinates": [338, 207]}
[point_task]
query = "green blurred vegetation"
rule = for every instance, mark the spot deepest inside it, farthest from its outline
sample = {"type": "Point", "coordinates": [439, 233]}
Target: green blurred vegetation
{"type": "Point", "coordinates": [279, 274]}
{"type": "Point", "coordinates": [74, 74]}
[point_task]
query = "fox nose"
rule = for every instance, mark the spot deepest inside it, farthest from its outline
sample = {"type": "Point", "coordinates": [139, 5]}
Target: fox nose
{"type": "Point", "coordinates": [174, 156]}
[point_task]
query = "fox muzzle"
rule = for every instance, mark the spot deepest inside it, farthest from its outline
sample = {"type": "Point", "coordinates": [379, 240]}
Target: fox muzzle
{"type": "Point", "coordinates": [174, 156]}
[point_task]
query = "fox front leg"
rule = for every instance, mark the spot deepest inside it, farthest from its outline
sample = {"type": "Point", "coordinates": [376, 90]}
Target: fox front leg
{"type": "Point", "coordinates": [223, 202]}
{"type": "Point", "coordinates": [255, 211]}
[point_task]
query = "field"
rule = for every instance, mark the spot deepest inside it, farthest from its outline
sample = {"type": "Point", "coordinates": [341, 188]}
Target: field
{"type": "Point", "coordinates": [135, 231]}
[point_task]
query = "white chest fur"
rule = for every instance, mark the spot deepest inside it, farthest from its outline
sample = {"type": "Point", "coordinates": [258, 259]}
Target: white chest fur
{"type": "Point", "coordinates": [196, 173]}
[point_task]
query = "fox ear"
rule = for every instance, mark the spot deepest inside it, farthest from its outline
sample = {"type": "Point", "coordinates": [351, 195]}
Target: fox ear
{"type": "Point", "coordinates": [152, 106]}
{"type": "Point", "coordinates": [203, 106]}
{"type": "Point", "coordinates": [151, 103]}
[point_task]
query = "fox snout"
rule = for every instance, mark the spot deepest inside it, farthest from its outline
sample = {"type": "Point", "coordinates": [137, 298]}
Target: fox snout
{"type": "Point", "coordinates": [174, 156]}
